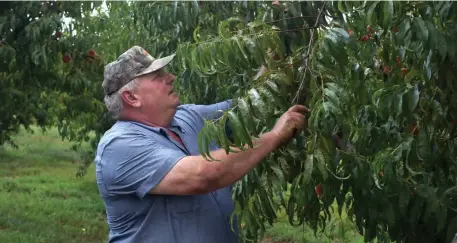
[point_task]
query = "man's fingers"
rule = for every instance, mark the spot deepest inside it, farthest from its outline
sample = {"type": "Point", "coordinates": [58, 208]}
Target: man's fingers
{"type": "Point", "coordinates": [299, 122]}
{"type": "Point", "coordinates": [298, 115]}
{"type": "Point", "coordinates": [299, 108]}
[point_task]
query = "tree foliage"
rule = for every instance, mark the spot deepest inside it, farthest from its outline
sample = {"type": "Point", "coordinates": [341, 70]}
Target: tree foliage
{"type": "Point", "coordinates": [380, 80]}
{"type": "Point", "coordinates": [378, 77]}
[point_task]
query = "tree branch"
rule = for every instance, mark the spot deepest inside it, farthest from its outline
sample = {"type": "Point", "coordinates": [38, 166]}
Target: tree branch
{"type": "Point", "coordinates": [295, 17]}
{"type": "Point", "coordinates": [311, 40]}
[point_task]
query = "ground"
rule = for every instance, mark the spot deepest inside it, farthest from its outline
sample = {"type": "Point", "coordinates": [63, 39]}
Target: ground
{"type": "Point", "coordinates": [41, 199]}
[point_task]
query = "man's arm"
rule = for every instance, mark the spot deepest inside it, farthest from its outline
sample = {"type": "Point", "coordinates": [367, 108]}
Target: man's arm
{"type": "Point", "coordinates": [196, 175]}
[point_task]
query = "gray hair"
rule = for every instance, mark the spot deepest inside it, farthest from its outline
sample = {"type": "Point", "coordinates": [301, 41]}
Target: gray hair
{"type": "Point", "coordinates": [114, 102]}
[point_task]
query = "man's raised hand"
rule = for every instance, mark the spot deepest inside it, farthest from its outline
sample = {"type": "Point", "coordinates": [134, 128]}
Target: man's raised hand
{"type": "Point", "coordinates": [291, 123]}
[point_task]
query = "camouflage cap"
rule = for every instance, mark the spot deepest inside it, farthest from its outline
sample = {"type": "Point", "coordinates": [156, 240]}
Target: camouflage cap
{"type": "Point", "coordinates": [133, 63]}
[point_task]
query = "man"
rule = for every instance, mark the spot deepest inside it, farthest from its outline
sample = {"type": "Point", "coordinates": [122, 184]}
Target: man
{"type": "Point", "coordinates": [155, 184]}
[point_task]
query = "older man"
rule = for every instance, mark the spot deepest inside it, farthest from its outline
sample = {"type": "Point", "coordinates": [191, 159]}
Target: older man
{"type": "Point", "coordinates": [155, 184]}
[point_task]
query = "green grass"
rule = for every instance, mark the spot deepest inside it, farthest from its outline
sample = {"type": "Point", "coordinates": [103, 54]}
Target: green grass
{"type": "Point", "coordinates": [340, 230]}
{"type": "Point", "coordinates": [41, 199]}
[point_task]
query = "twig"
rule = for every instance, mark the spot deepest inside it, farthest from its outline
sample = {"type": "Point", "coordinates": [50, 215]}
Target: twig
{"type": "Point", "coordinates": [295, 17]}
{"type": "Point", "coordinates": [293, 63]}
{"type": "Point", "coordinates": [236, 31]}
{"type": "Point", "coordinates": [219, 39]}
{"type": "Point", "coordinates": [295, 100]}
{"type": "Point", "coordinates": [304, 28]}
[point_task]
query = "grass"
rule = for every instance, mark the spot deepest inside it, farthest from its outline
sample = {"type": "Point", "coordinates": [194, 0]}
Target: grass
{"type": "Point", "coordinates": [339, 230]}
{"type": "Point", "coordinates": [41, 200]}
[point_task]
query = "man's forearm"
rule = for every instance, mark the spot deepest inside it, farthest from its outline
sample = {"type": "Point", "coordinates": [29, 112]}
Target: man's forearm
{"type": "Point", "coordinates": [231, 167]}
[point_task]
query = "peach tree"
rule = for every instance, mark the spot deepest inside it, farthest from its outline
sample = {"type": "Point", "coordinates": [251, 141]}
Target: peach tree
{"type": "Point", "coordinates": [42, 63]}
{"type": "Point", "coordinates": [378, 77]}
{"type": "Point", "coordinates": [381, 142]}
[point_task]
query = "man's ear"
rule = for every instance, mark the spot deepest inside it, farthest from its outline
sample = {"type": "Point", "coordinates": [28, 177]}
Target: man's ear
{"type": "Point", "coordinates": [130, 98]}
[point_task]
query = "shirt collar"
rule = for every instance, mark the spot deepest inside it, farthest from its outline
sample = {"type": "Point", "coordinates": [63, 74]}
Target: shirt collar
{"type": "Point", "coordinates": [174, 124]}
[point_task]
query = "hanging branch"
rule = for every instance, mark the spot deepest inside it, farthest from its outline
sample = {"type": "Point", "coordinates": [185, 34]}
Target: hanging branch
{"type": "Point", "coordinates": [306, 67]}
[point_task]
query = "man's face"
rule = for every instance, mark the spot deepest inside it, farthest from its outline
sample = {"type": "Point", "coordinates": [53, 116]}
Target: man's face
{"type": "Point", "coordinates": [156, 91]}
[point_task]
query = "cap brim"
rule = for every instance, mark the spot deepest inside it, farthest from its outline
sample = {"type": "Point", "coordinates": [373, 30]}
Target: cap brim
{"type": "Point", "coordinates": [157, 64]}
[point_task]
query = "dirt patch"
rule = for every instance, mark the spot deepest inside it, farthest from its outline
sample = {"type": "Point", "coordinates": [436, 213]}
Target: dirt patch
{"type": "Point", "coordinates": [271, 240]}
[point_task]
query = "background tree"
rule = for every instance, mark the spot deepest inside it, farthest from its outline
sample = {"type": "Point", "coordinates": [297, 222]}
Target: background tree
{"type": "Point", "coordinates": [31, 55]}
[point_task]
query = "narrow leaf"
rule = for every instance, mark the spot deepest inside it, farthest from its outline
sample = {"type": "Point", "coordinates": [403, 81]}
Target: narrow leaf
{"type": "Point", "coordinates": [421, 29]}
{"type": "Point", "coordinates": [413, 98]}
{"type": "Point", "coordinates": [309, 163]}
{"type": "Point", "coordinates": [369, 15]}
{"type": "Point", "coordinates": [321, 165]}
{"type": "Point", "coordinates": [246, 115]}
{"type": "Point", "coordinates": [388, 14]}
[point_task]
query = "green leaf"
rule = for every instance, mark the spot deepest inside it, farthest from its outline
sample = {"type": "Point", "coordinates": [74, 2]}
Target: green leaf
{"type": "Point", "coordinates": [332, 109]}
{"type": "Point", "coordinates": [266, 204]}
{"type": "Point", "coordinates": [257, 103]}
{"type": "Point", "coordinates": [410, 75]}
{"type": "Point", "coordinates": [292, 9]}
{"type": "Point", "coordinates": [274, 89]}
{"type": "Point", "coordinates": [291, 210]}
{"type": "Point", "coordinates": [207, 140]}
{"type": "Point", "coordinates": [202, 147]}
{"type": "Point", "coordinates": [432, 33]}
{"type": "Point", "coordinates": [239, 130]}
{"type": "Point", "coordinates": [246, 115]}
{"type": "Point", "coordinates": [175, 7]}
{"type": "Point", "coordinates": [244, 56]}
{"type": "Point", "coordinates": [388, 12]}
{"type": "Point", "coordinates": [332, 97]}
{"type": "Point", "coordinates": [404, 28]}
{"type": "Point", "coordinates": [369, 14]}
{"type": "Point", "coordinates": [342, 35]}
{"type": "Point", "coordinates": [421, 29]}
{"type": "Point", "coordinates": [196, 34]}
{"type": "Point", "coordinates": [413, 98]}
{"type": "Point", "coordinates": [278, 172]}
{"type": "Point", "coordinates": [441, 45]}
{"type": "Point", "coordinates": [224, 142]}
{"type": "Point", "coordinates": [423, 145]}
{"type": "Point", "coordinates": [321, 163]}
{"type": "Point", "coordinates": [341, 7]}
{"type": "Point", "coordinates": [309, 162]}
{"type": "Point", "coordinates": [334, 43]}
{"type": "Point", "coordinates": [269, 98]}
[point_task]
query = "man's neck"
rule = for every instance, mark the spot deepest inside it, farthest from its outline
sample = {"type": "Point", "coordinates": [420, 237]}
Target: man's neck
{"type": "Point", "coordinates": [164, 119]}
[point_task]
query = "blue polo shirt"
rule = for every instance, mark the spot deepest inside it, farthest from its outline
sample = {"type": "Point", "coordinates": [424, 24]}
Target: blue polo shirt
{"type": "Point", "coordinates": [132, 158]}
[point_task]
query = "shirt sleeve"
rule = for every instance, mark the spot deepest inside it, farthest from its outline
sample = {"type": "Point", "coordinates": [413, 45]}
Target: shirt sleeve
{"type": "Point", "coordinates": [136, 164]}
{"type": "Point", "coordinates": [211, 112]}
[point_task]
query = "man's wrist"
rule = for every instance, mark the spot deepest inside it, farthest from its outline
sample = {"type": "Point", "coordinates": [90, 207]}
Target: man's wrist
{"type": "Point", "coordinates": [270, 139]}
